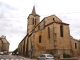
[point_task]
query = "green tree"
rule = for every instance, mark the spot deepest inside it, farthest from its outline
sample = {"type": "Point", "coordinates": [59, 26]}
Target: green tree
{"type": "Point", "coordinates": [66, 55]}
{"type": "Point", "coordinates": [15, 51]}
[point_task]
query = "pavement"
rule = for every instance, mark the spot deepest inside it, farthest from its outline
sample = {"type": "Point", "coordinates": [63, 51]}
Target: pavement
{"type": "Point", "coordinates": [0, 56]}
{"type": "Point", "coordinates": [14, 57]}
{"type": "Point", "coordinates": [26, 58]}
{"type": "Point", "coordinates": [78, 57]}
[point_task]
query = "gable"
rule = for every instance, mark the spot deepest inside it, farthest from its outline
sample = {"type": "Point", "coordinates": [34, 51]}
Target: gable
{"type": "Point", "coordinates": [53, 19]}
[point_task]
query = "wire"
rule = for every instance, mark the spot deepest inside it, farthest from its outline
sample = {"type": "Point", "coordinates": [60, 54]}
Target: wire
{"type": "Point", "coordinates": [65, 13]}
{"type": "Point", "coordinates": [70, 13]}
{"type": "Point", "coordinates": [41, 15]}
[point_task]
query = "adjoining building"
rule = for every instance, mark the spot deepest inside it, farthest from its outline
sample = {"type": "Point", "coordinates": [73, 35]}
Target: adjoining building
{"type": "Point", "coordinates": [4, 45]}
{"type": "Point", "coordinates": [51, 35]}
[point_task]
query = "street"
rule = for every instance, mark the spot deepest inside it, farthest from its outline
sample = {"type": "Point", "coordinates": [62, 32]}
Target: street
{"type": "Point", "coordinates": [12, 57]}
{"type": "Point", "coordinates": [15, 57]}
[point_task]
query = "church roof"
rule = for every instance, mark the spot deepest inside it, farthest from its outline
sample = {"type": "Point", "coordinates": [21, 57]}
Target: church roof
{"type": "Point", "coordinates": [34, 11]}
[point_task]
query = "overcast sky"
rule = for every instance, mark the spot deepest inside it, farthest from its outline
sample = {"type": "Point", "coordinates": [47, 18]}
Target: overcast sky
{"type": "Point", "coordinates": [14, 13]}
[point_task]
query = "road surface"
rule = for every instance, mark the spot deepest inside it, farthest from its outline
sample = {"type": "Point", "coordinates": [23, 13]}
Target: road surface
{"type": "Point", "coordinates": [11, 57]}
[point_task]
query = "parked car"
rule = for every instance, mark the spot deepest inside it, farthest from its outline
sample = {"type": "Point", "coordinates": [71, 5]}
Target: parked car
{"type": "Point", "coordinates": [16, 53]}
{"type": "Point", "coordinates": [13, 53]}
{"type": "Point", "coordinates": [46, 57]}
{"type": "Point", "coordinates": [1, 53]}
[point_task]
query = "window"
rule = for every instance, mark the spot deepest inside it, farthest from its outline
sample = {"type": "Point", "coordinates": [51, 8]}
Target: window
{"type": "Point", "coordinates": [48, 32]}
{"type": "Point", "coordinates": [49, 55]}
{"type": "Point", "coordinates": [35, 21]}
{"type": "Point", "coordinates": [42, 56]}
{"type": "Point", "coordinates": [75, 46]}
{"type": "Point", "coordinates": [53, 18]}
{"type": "Point", "coordinates": [61, 31]}
{"type": "Point", "coordinates": [40, 37]}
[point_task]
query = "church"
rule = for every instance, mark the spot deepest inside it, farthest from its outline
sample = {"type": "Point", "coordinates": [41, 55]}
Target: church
{"type": "Point", "coordinates": [50, 35]}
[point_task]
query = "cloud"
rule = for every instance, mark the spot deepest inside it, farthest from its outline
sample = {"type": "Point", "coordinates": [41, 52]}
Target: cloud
{"type": "Point", "coordinates": [12, 24]}
{"type": "Point", "coordinates": [7, 6]}
{"type": "Point", "coordinates": [14, 13]}
{"type": "Point", "coordinates": [14, 30]}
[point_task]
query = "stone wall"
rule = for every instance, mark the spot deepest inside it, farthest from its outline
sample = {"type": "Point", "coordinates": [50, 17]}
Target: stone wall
{"type": "Point", "coordinates": [75, 49]}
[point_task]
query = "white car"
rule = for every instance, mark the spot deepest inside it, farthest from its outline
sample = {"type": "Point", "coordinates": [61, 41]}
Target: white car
{"type": "Point", "coordinates": [46, 57]}
{"type": "Point", "coordinates": [1, 53]}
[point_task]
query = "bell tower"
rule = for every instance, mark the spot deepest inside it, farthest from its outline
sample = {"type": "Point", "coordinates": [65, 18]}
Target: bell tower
{"type": "Point", "coordinates": [33, 20]}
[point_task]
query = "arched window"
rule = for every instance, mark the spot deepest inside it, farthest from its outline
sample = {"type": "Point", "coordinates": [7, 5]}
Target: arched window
{"type": "Point", "coordinates": [40, 37]}
{"type": "Point", "coordinates": [53, 19]}
{"type": "Point", "coordinates": [48, 32]}
{"type": "Point", "coordinates": [61, 31]}
{"type": "Point", "coordinates": [33, 21]}
{"type": "Point", "coordinates": [75, 46]}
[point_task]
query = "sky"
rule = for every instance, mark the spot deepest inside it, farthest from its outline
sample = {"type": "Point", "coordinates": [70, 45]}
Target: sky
{"type": "Point", "coordinates": [14, 13]}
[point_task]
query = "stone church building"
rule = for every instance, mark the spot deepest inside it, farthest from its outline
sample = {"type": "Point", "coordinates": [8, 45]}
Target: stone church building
{"type": "Point", "coordinates": [50, 35]}
{"type": "Point", "coordinates": [4, 44]}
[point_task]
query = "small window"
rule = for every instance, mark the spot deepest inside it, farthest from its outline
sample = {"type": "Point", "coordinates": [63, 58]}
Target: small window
{"type": "Point", "coordinates": [48, 32]}
{"type": "Point", "coordinates": [53, 18]}
{"type": "Point", "coordinates": [40, 37]}
{"type": "Point", "coordinates": [61, 31]}
{"type": "Point", "coordinates": [75, 46]}
{"type": "Point", "coordinates": [35, 21]}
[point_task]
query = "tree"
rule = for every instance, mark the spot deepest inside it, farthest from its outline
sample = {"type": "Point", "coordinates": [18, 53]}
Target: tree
{"type": "Point", "coordinates": [15, 51]}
